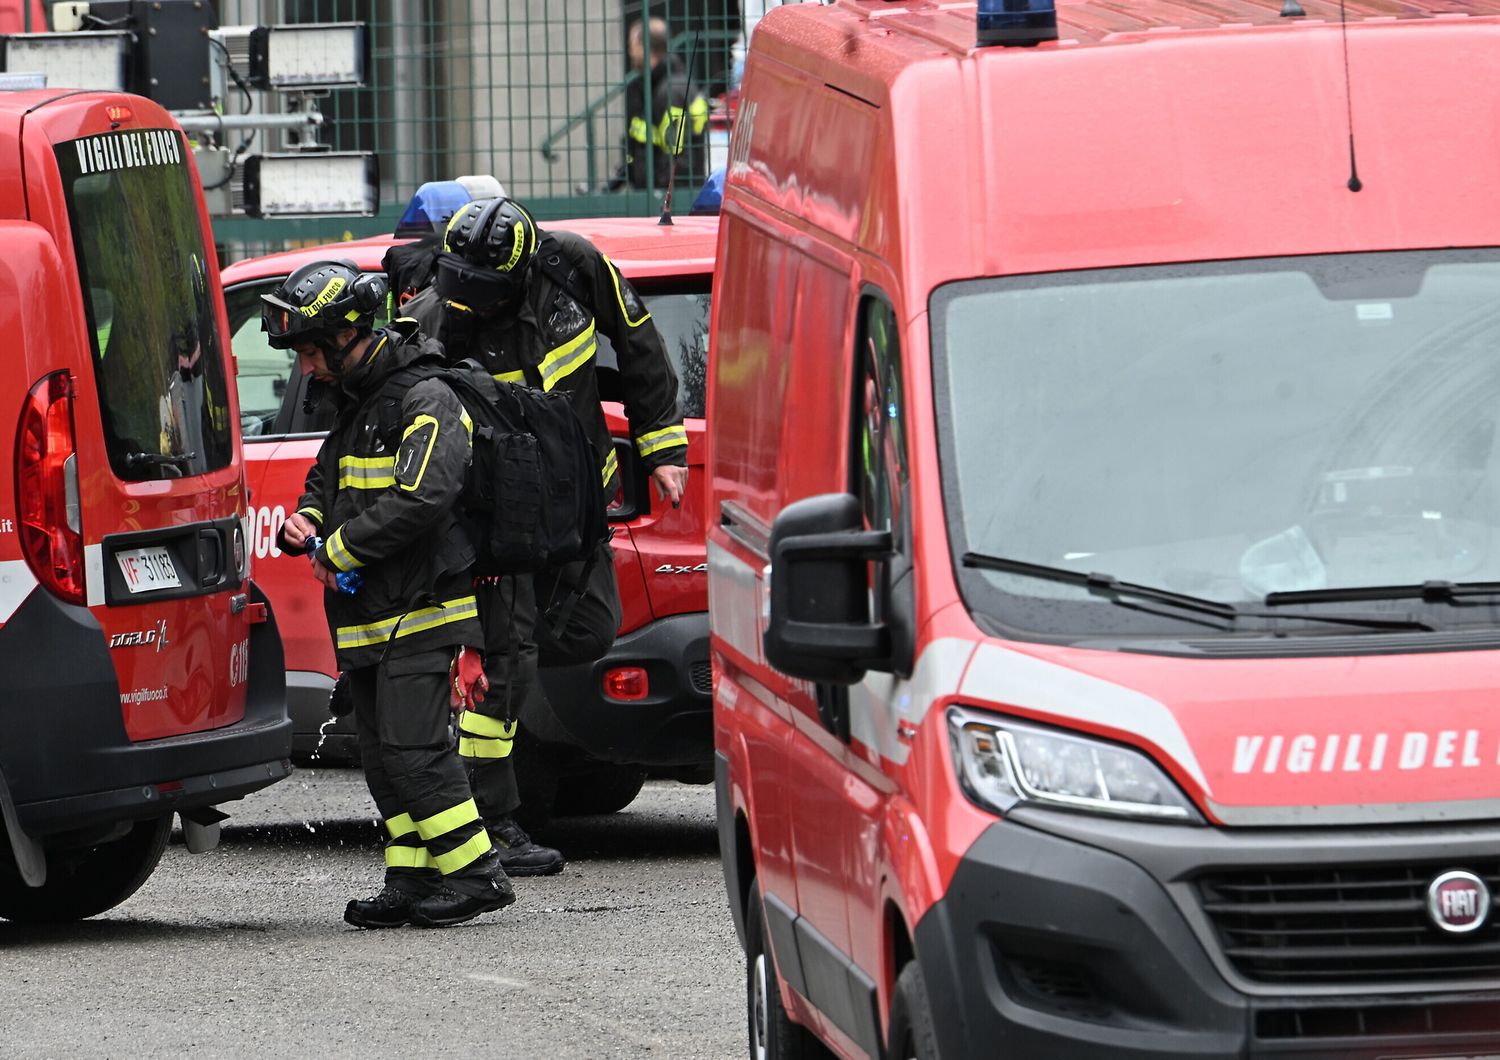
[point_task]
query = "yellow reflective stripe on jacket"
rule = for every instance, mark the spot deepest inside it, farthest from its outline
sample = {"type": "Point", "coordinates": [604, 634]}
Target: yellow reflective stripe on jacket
{"type": "Point", "coordinates": [405, 625]}
{"type": "Point", "coordinates": [418, 424]}
{"type": "Point", "coordinates": [464, 855]}
{"type": "Point", "coordinates": [429, 828]}
{"type": "Point", "coordinates": [656, 441]}
{"type": "Point", "coordinates": [614, 275]}
{"type": "Point", "coordinates": [475, 747]}
{"type": "Point", "coordinates": [405, 857]}
{"type": "Point", "coordinates": [568, 357]}
{"type": "Point", "coordinates": [367, 472]}
{"type": "Point", "coordinates": [476, 724]}
{"type": "Point", "coordinates": [638, 129]}
{"type": "Point", "coordinates": [312, 513]}
{"type": "Point", "coordinates": [510, 377]}
{"type": "Point", "coordinates": [611, 465]}
{"type": "Point", "coordinates": [339, 554]}
{"type": "Point", "coordinates": [400, 825]}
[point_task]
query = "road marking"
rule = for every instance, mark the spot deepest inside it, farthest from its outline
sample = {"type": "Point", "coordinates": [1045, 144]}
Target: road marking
{"type": "Point", "coordinates": [498, 980]}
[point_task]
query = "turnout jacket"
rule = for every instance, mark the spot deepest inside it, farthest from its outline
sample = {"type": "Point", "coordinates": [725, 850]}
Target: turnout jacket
{"type": "Point", "coordinates": [385, 507]}
{"type": "Point", "coordinates": [676, 126]}
{"type": "Point", "coordinates": [551, 342]}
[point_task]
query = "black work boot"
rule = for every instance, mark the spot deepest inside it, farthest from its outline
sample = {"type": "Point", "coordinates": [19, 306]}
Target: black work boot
{"type": "Point", "coordinates": [518, 854]}
{"type": "Point", "coordinates": [482, 888]}
{"type": "Point", "coordinates": [393, 906]}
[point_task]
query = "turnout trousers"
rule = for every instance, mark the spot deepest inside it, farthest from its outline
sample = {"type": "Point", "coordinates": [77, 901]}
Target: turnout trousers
{"type": "Point", "coordinates": [401, 714]}
{"type": "Point", "coordinates": [556, 618]}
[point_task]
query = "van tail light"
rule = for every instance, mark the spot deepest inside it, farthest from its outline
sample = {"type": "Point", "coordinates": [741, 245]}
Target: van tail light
{"type": "Point", "coordinates": [47, 488]}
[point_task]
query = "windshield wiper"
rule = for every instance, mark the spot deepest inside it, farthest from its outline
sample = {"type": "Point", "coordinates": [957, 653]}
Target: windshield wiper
{"type": "Point", "coordinates": [1111, 588]}
{"type": "Point", "coordinates": [1431, 592]}
{"type": "Point", "coordinates": [159, 459]}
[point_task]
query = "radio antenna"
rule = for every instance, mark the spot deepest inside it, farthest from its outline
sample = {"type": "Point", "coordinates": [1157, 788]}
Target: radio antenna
{"type": "Point", "coordinates": [687, 95]}
{"type": "Point", "coordinates": [1354, 182]}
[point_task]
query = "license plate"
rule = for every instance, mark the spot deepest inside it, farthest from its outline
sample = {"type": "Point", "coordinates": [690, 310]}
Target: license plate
{"type": "Point", "coordinates": [146, 569]}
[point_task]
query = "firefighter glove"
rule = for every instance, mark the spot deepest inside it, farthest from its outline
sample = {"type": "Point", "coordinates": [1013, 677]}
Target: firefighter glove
{"type": "Point", "coordinates": [466, 679]}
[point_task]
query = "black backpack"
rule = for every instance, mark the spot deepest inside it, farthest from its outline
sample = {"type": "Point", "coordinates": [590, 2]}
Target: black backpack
{"type": "Point", "coordinates": [534, 498]}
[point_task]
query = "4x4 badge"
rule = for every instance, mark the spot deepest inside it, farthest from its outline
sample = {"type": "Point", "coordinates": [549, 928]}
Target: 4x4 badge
{"type": "Point", "coordinates": [1458, 902]}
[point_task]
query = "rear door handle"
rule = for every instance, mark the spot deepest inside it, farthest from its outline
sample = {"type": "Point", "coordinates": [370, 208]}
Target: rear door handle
{"type": "Point", "coordinates": [210, 557]}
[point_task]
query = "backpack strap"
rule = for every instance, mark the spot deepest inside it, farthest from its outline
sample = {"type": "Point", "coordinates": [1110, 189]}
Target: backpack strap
{"type": "Point", "coordinates": [555, 265]}
{"type": "Point", "coordinates": [393, 393]}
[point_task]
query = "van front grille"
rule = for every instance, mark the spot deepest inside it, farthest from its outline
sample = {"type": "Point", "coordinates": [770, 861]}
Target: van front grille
{"type": "Point", "coordinates": [1356, 924]}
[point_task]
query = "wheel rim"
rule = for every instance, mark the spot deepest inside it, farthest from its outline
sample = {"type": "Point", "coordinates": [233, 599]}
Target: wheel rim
{"type": "Point", "coordinates": [760, 1009]}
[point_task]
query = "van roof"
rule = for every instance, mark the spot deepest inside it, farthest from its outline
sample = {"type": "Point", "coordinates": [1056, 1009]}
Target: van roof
{"type": "Point", "coordinates": [951, 25]}
{"type": "Point", "coordinates": [1151, 132]}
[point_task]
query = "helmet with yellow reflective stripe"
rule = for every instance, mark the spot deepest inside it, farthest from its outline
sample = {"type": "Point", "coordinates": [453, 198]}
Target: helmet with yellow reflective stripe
{"type": "Point", "coordinates": [497, 233]}
{"type": "Point", "coordinates": [317, 302]}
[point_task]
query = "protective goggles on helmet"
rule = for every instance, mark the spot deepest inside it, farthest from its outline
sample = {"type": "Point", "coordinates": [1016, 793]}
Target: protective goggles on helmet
{"type": "Point", "coordinates": [475, 286]}
{"type": "Point", "coordinates": [285, 324]}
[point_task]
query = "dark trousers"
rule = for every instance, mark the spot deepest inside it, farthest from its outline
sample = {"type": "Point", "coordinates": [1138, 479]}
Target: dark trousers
{"type": "Point", "coordinates": [401, 715]}
{"type": "Point", "coordinates": [556, 618]}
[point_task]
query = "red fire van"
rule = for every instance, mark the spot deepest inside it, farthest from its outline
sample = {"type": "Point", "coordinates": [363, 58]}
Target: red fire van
{"type": "Point", "coordinates": [1104, 563]}
{"type": "Point", "coordinates": [140, 671]}
{"type": "Point", "coordinates": [643, 707]}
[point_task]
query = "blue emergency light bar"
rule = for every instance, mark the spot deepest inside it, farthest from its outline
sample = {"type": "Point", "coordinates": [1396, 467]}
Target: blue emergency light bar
{"type": "Point", "coordinates": [1017, 22]}
{"type": "Point", "coordinates": [431, 207]}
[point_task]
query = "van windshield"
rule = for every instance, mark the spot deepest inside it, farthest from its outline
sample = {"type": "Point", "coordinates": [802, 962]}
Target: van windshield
{"type": "Point", "coordinates": [1225, 430]}
{"type": "Point", "coordinates": [157, 352]}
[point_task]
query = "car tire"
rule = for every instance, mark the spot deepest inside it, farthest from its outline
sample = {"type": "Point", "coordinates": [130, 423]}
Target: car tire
{"type": "Point", "coordinates": [773, 1034]}
{"type": "Point", "coordinates": [605, 791]}
{"type": "Point", "coordinates": [82, 883]}
{"type": "Point", "coordinates": [912, 1036]}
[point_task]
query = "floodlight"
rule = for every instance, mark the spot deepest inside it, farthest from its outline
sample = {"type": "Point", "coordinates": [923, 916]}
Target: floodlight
{"type": "Point", "coordinates": [313, 55]}
{"type": "Point", "coordinates": [89, 60]}
{"type": "Point", "coordinates": [309, 183]}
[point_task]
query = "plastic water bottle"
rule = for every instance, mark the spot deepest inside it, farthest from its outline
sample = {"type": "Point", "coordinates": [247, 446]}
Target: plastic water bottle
{"type": "Point", "coordinates": [348, 581]}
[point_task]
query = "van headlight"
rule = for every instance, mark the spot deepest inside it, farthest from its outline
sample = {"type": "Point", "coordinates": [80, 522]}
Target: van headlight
{"type": "Point", "coordinates": [1002, 763]}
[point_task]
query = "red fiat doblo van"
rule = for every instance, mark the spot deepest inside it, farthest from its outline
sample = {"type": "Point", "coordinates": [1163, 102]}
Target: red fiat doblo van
{"type": "Point", "coordinates": [140, 671]}
{"type": "Point", "coordinates": [1104, 573]}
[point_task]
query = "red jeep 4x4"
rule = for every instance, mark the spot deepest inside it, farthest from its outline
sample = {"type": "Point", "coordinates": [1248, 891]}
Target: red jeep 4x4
{"type": "Point", "coordinates": [645, 706]}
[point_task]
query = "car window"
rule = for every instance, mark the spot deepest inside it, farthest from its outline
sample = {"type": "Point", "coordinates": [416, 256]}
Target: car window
{"type": "Point", "coordinates": [263, 372]}
{"type": "Point", "coordinates": [681, 315]}
{"type": "Point", "coordinates": [267, 375]}
{"type": "Point", "coordinates": [679, 308]}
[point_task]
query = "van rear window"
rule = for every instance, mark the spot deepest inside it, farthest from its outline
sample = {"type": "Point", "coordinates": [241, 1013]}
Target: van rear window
{"type": "Point", "coordinates": [158, 356]}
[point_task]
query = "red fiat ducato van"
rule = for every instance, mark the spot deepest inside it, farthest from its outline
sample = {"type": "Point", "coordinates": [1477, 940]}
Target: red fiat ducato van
{"type": "Point", "coordinates": [1104, 564]}
{"type": "Point", "coordinates": [140, 670]}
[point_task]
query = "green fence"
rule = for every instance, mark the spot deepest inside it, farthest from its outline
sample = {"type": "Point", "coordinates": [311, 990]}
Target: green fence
{"type": "Point", "coordinates": [531, 91]}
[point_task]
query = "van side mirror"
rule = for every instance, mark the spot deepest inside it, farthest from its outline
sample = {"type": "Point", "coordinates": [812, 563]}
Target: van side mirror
{"type": "Point", "coordinates": [820, 627]}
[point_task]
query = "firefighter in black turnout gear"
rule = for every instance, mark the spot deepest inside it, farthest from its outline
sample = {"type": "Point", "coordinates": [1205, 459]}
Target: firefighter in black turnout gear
{"type": "Point", "coordinates": [529, 306]}
{"type": "Point", "coordinates": [383, 508]}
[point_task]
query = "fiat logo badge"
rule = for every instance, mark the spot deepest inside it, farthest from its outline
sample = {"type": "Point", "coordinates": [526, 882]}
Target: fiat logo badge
{"type": "Point", "coordinates": [1458, 902]}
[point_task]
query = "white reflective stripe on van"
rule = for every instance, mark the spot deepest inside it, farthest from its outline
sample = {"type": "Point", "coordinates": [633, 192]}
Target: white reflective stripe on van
{"type": "Point", "coordinates": [93, 574]}
{"type": "Point", "coordinates": [882, 704]}
{"type": "Point", "coordinates": [1008, 677]}
{"type": "Point", "coordinates": [16, 583]}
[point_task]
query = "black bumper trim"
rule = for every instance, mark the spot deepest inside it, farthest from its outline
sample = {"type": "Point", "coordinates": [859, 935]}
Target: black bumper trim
{"type": "Point", "coordinates": [1047, 946]}
{"type": "Point", "coordinates": [76, 767]}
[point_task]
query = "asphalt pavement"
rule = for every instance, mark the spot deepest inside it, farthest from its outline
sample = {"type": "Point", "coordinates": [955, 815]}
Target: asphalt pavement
{"type": "Point", "coordinates": [242, 952]}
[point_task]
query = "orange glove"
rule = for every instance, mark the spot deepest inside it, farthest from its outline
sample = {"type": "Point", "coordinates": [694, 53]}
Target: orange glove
{"type": "Point", "coordinates": [466, 679]}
